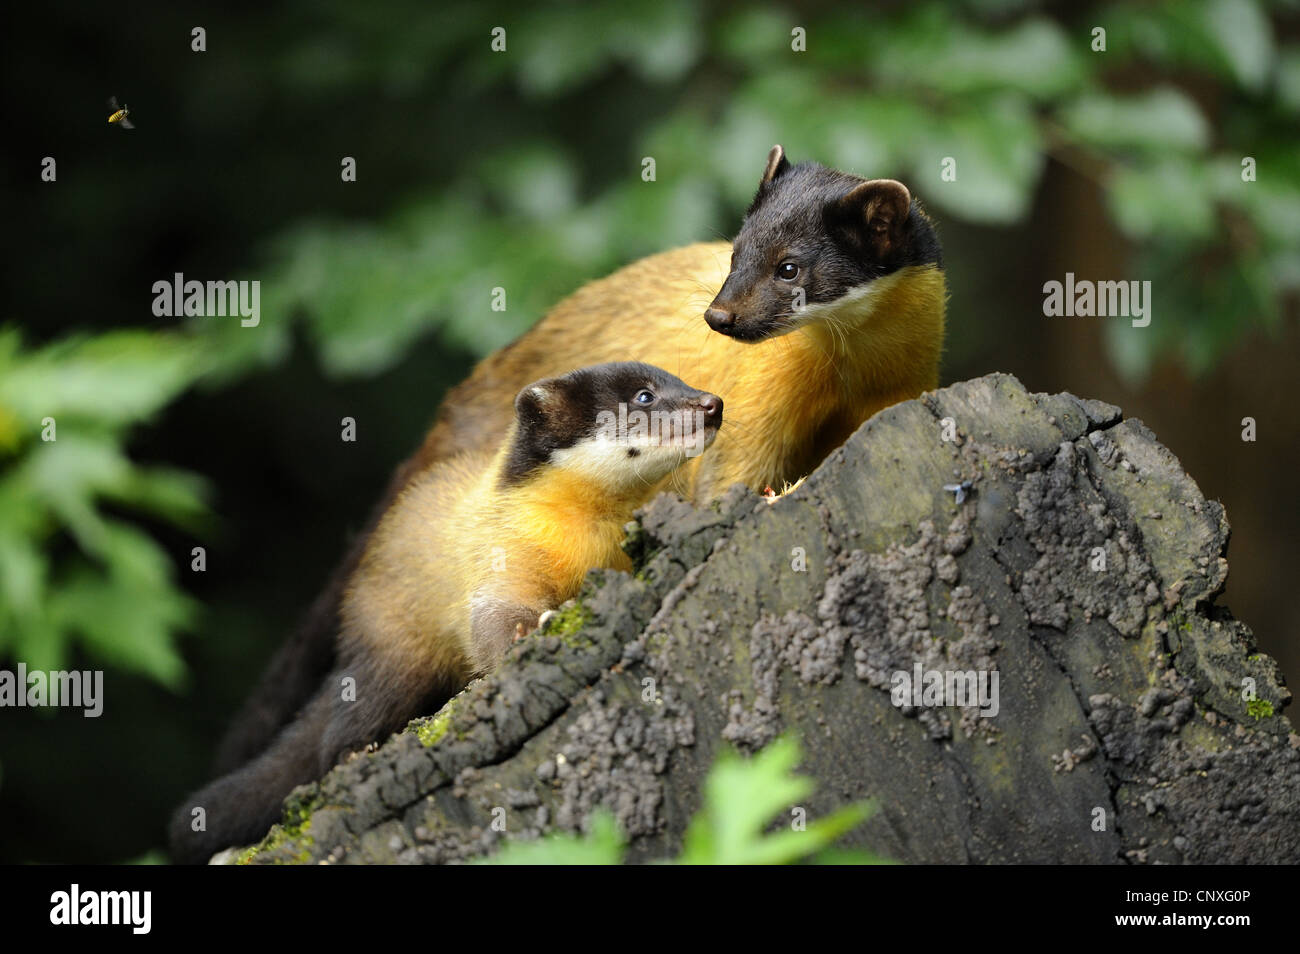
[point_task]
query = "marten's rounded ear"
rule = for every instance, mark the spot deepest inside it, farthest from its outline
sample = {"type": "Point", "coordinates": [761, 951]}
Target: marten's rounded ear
{"type": "Point", "coordinates": [776, 165]}
{"type": "Point", "coordinates": [876, 211]}
{"type": "Point", "coordinates": [539, 400]}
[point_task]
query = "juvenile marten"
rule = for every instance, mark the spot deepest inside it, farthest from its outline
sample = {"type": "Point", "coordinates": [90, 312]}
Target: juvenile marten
{"type": "Point", "coordinates": [862, 258]}
{"type": "Point", "coordinates": [468, 556]}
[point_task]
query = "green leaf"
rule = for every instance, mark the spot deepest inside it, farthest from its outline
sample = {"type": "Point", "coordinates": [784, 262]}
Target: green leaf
{"type": "Point", "coordinates": [536, 181]}
{"type": "Point", "coordinates": [1171, 198]}
{"type": "Point", "coordinates": [1228, 39]}
{"type": "Point", "coordinates": [126, 616]}
{"type": "Point", "coordinates": [115, 598]}
{"type": "Point", "coordinates": [1158, 121]}
{"type": "Point", "coordinates": [111, 379]}
{"type": "Point", "coordinates": [998, 157]}
{"type": "Point", "coordinates": [178, 496]}
{"type": "Point", "coordinates": [1243, 37]}
{"type": "Point", "coordinates": [661, 40]}
{"type": "Point", "coordinates": [554, 52]}
{"type": "Point", "coordinates": [1034, 57]}
{"type": "Point", "coordinates": [742, 796]}
{"type": "Point", "coordinates": [23, 572]}
{"type": "Point", "coordinates": [602, 845]}
{"type": "Point", "coordinates": [67, 475]}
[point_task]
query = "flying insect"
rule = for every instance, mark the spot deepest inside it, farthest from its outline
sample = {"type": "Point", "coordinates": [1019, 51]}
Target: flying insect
{"type": "Point", "coordinates": [119, 114]}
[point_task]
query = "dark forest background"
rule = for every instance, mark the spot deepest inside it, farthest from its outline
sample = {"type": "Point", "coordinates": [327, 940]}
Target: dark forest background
{"type": "Point", "coordinates": [522, 169]}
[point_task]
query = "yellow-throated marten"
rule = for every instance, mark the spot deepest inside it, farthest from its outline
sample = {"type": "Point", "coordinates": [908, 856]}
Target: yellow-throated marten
{"type": "Point", "coordinates": [471, 552]}
{"type": "Point", "coordinates": [832, 308]}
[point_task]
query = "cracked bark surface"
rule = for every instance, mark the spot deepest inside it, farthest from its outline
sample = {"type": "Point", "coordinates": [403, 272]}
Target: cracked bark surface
{"type": "Point", "coordinates": [1126, 694]}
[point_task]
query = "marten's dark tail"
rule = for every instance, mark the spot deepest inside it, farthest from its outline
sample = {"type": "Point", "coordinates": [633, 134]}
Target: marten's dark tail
{"type": "Point", "coordinates": [238, 808]}
{"type": "Point", "coordinates": [354, 705]}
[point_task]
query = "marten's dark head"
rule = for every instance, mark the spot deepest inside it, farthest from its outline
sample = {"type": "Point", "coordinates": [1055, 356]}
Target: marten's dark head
{"type": "Point", "coordinates": [814, 236]}
{"type": "Point", "coordinates": [623, 424]}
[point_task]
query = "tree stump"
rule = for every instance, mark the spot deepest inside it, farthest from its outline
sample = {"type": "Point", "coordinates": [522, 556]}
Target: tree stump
{"type": "Point", "coordinates": [1134, 721]}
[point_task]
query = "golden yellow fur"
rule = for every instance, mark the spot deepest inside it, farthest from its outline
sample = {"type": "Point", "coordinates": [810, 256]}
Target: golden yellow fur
{"type": "Point", "coordinates": [457, 542]}
{"type": "Point", "coordinates": [790, 400]}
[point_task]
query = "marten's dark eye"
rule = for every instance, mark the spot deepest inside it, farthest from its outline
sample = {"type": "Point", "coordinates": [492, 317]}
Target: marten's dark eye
{"type": "Point", "coordinates": [643, 397]}
{"type": "Point", "coordinates": [787, 271]}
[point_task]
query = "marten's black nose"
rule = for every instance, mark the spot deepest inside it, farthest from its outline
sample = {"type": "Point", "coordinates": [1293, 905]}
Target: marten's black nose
{"type": "Point", "coordinates": [719, 319]}
{"type": "Point", "coordinates": [711, 405]}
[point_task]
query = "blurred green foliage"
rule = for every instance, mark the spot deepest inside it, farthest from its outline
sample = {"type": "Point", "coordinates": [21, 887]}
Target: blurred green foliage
{"type": "Point", "coordinates": [540, 188]}
{"type": "Point", "coordinates": [1161, 119]}
{"type": "Point", "coordinates": [742, 797]}
{"type": "Point", "coordinates": [70, 568]}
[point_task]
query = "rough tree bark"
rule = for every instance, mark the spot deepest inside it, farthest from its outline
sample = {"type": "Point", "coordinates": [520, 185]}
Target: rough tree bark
{"type": "Point", "coordinates": [1125, 692]}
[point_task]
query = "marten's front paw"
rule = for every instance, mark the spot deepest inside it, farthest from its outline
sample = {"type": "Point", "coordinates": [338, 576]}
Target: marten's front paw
{"type": "Point", "coordinates": [522, 630]}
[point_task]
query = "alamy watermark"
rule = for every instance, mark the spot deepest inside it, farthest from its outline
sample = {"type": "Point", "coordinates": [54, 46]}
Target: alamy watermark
{"type": "Point", "coordinates": [934, 688]}
{"type": "Point", "coordinates": [635, 427]}
{"type": "Point", "coordinates": [76, 688]}
{"type": "Point", "coordinates": [1089, 299]}
{"type": "Point", "coordinates": [194, 299]}
{"type": "Point", "coordinates": [131, 909]}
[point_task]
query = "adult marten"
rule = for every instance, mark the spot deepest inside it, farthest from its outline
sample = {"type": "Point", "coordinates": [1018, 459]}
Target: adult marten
{"type": "Point", "coordinates": [833, 309]}
{"type": "Point", "coordinates": [470, 554]}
